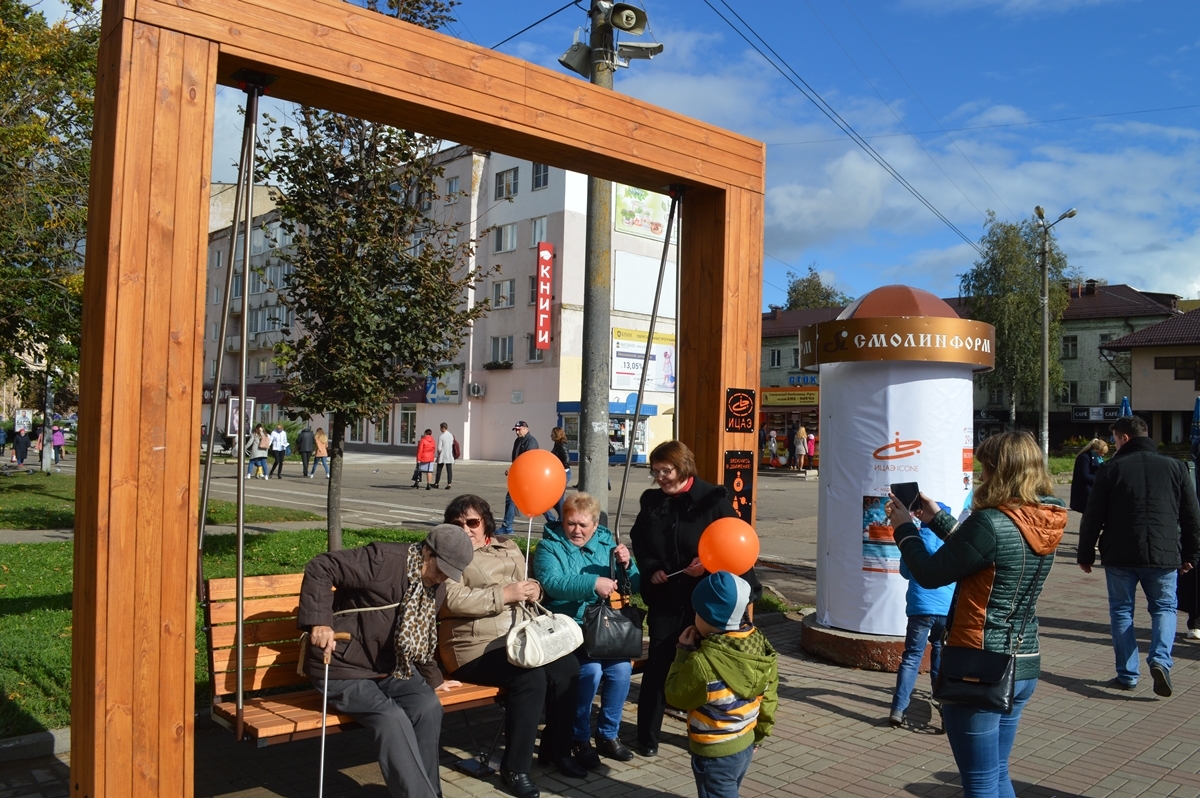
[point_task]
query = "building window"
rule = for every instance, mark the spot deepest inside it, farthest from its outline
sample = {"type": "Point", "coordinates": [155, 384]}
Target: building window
{"type": "Point", "coordinates": [535, 355]}
{"type": "Point", "coordinates": [1070, 347]}
{"type": "Point", "coordinates": [258, 282]}
{"type": "Point", "coordinates": [358, 430]}
{"type": "Point", "coordinates": [416, 243]}
{"type": "Point", "coordinates": [537, 229]}
{"type": "Point", "coordinates": [1108, 392]}
{"type": "Point", "coordinates": [506, 183]}
{"type": "Point", "coordinates": [264, 414]}
{"type": "Point", "coordinates": [796, 357]}
{"type": "Point", "coordinates": [541, 176]}
{"type": "Point", "coordinates": [533, 289]}
{"type": "Point", "coordinates": [996, 396]}
{"type": "Point", "coordinates": [426, 201]}
{"type": "Point", "coordinates": [238, 248]}
{"type": "Point", "coordinates": [502, 348]}
{"type": "Point", "coordinates": [776, 358]}
{"type": "Point", "coordinates": [260, 367]}
{"type": "Point", "coordinates": [1070, 393]}
{"type": "Point", "coordinates": [383, 429]}
{"type": "Point", "coordinates": [216, 294]}
{"type": "Point", "coordinates": [237, 283]}
{"type": "Point", "coordinates": [258, 241]}
{"type": "Point", "coordinates": [505, 238]}
{"type": "Point", "coordinates": [1105, 338]}
{"type": "Point", "coordinates": [212, 369]}
{"type": "Point", "coordinates": [408, 424]}
{"type": "Point", "coordinates": [214, 258]}
{"type": "Point", "coordinates": [504, 293]}
{"type": "Point", "coordinates": [451, 190]}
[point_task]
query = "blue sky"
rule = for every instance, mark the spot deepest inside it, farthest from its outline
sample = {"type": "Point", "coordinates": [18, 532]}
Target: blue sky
{"type": "Point", "coordinates": [994, 74]}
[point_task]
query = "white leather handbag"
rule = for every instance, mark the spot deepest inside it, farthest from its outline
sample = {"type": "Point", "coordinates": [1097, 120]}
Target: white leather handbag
{"type": "Point", "coordinates": [541, 636]}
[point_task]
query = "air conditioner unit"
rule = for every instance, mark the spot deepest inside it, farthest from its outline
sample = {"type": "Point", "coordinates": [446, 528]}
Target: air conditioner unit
{"type": "Point", "coordinates": [475, 389]}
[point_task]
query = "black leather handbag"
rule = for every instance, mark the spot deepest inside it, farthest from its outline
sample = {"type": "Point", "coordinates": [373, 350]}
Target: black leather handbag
{"type": "Point", "coordinates": [612, 628]}
{"type": "Point", "coordinates": [973, 677]}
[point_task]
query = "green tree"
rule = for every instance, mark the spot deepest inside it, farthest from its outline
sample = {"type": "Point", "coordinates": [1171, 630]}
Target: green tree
{"type": "Point", "coordinates": [1004, 289]}
{"type": "Point", "coordinates": [378, 288]}
{"type": "Point", "coordinates": [47, 85]}
{"type": "Point", "coordinates": [810, 291]}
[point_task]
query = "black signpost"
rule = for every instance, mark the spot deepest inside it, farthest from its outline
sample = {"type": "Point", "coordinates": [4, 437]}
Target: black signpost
{"type": "Point", "coordinates": [739, 410]}
{"type": "Point", "coordinates": [739, 481]}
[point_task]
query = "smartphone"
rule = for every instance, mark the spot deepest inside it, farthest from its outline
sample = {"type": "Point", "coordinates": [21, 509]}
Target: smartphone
{"type": "Point", "coordinates": [908, 493]}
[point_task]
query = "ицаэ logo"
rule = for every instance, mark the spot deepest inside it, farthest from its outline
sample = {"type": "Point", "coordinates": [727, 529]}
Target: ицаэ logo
{"type": "Point", "coordinates": [897, 449]}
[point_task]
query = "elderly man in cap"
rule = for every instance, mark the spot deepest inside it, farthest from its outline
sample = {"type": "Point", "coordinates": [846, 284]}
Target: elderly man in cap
{"type": "Point", "coordinates": [387, 596]}
{"type": "Point", "coordinates": [522, 444]}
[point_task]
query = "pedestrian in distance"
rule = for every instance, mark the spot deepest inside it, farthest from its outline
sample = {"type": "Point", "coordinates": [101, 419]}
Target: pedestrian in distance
{"type": "Point", "coordinates": [1000, 556]}
{"type": "Point", "coordinates": [257, 443]}
{"type": "Point", "coordinates": [306, 444]}
{"type": "Point", "coordinates": [523, 443]}
{"type": "Point", "coordinates": [558, 437]}
{"type": "Point", "coordinates": [21, 444]}
{"type": "Point", "coordinates": [3, 440]}
{"type": "Point", "coordinates": [726, 674]}
{"type": "Point", "coordinates": [386, 596]}
{"type": "Point", "coordinates": [58, 440]}
{"type": "Point", "coordinates": [321, 453]}
{"type": "Point", "coordinates": [426, 454]}
{"type": "Point", "coordinates": [1087, 463]}
{"type": "Point", "coordinates": [278, 447]}
{"type": "Point", "coordinates": [926, 610]}
{"type": "Point", "coordinates": [800, 447]}
{"type": "Point", "coordinates": [446, 456]}
{"type": "Point", "coordinates": [1142, 513]}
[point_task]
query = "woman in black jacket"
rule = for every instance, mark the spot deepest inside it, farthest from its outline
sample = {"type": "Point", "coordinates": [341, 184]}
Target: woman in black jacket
{"type": "Point", "coordinates": [666, 545]}
{"type": "Point", "coordinates": [1087, 463]}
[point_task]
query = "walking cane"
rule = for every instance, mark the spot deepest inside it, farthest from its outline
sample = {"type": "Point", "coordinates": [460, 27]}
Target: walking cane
{"type": "Point", "coordinates": [324, 707]}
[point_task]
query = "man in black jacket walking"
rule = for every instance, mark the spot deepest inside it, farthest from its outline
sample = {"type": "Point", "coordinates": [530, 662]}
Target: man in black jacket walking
{"type": "Point", "coordinates": [306, 444]}
{"type": "Point", "coordinates": [1143, 512]}
{"type": "Point", "coordinates": [522, 444]}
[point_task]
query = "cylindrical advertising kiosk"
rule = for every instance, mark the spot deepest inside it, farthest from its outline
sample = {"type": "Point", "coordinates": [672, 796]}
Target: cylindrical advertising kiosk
{"type": "Point", "coordinates": [896, 397]}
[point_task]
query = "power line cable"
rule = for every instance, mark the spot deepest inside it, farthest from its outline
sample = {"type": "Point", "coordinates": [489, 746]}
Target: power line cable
{"type": "Point", "coordinates": [887, 105]}
{"type": "Point", "coordinates": [993, 127]}
{"type": "Point", "coordinates": [926, 107]}
{"type": "Point", "coordinates": [539, 22]}
{"type": "Point", "coordinates": [815, 98]}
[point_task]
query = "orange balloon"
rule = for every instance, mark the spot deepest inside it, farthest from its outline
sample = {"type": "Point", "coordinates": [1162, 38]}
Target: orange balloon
{"type": "Point", "coordinates": [536, 481]}
{"type": "Point", "coordinates": [729, 544]}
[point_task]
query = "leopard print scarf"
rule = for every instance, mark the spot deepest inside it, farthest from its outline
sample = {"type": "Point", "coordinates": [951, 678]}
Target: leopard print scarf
{"type": "Point", "coordinates": [416, 627]}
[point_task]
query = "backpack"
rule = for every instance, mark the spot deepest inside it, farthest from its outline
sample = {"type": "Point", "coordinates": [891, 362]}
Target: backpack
{"type": "Point", "coordinates": [456, 450]}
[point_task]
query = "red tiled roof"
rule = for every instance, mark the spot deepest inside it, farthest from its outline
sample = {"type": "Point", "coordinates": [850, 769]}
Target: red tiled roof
{"type": "Point", "coordinates": [780, 323]}
{"type": "Point", "coordinates": [1108, 302]}
{"type": "Point", "coordinates": [1180, 331]}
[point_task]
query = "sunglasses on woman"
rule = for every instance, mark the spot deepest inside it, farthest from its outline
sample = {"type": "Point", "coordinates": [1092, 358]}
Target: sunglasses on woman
{"type": "Point", "coordinates": [469, 523]}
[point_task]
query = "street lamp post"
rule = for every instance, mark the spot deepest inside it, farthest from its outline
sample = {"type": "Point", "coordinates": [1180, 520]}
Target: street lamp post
{"type": "Point", "coordinates": [1045, 300]}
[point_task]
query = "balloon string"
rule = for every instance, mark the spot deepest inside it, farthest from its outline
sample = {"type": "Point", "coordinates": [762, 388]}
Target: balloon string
{"type": "Point", "coordinates": [528, 538]}
{"type": "Point", "coordinates": [677, 573]}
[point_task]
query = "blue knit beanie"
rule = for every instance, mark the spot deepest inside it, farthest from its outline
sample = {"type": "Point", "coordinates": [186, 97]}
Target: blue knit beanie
{"type": "Point", "coordinates": [721, 599]}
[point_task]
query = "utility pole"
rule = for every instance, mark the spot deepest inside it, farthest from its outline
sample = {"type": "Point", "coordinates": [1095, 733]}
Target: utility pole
{"type": "Point", "coordinates": [597, 297]}
{"type": "Point", "coordinates": [597, 62]}
{"type": "Point", "coordinates": [1045, 301]}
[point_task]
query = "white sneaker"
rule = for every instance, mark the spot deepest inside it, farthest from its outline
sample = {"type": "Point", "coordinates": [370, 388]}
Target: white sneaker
{"type": "Point", "coordinates": [1192, 634]}
{"type": "Point", "coordinates": [247, 476]}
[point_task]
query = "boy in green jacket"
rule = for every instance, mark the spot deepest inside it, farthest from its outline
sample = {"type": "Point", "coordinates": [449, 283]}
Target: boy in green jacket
{"type": "Point", "coordinates": [725, 673]}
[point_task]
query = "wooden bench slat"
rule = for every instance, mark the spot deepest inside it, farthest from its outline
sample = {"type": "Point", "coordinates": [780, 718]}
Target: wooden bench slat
{"type": "Point", "coordinates": [261, 656]}
{"type": "Point", "coordinates": [266, 632]}
{"type": "Point", "coordinates": [223, 612]}
{"type": "Point", "coordinates": [255, 587]}
{"type": "Point", "coordinates": [258, 679]}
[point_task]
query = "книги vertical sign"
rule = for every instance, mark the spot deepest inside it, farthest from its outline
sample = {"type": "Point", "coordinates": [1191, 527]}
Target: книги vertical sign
{"type": "Point", "coordinates": [545, 278]}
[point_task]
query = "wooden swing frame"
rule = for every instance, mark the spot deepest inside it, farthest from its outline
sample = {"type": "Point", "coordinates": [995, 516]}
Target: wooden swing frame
{"type": "Point", "coordinates": [138, 472]}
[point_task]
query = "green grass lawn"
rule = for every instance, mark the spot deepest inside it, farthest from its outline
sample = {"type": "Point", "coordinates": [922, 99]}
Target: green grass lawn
{"type": "Point", "coordinates": [37, 501]}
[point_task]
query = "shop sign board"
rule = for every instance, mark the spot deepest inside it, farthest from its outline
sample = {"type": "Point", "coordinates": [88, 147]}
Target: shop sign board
{"type": "Point", "coordinates": [445, 389]}
{"type": "Point", "coordinates": [739, 481]}
{"type": "Point", "coordinates": [803, 379]}
{"type": "Point", "coordinates": [1095, 415]}
{"type": "Point", "coordinates": [545, 284]}
{"type": "Point", "coordinates": [787, 397]}
{"type": "Point", "coordinates": [921, 338]}
{"type": "Point", "coordinates": [628, 351]}
{"type": "Point", "coordinates": [739, 410]}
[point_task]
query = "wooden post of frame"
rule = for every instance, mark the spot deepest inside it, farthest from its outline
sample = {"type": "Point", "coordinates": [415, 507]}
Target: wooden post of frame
{"type": "Point", "coordinates": [137, 483]}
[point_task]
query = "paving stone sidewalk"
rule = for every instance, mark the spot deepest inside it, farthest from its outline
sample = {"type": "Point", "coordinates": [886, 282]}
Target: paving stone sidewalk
{"type": "Point", "coordinates": [831, 738]}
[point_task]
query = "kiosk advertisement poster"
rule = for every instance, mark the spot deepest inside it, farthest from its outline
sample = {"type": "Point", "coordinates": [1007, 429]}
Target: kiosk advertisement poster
{"type": "Point", "coordinates": [739, 481]}
{"type": "Point", "coordinates": [911, 423]}
{"type": "Point", "coordinates": [444, 389]}
{"type": "Point", "coordinates": [23, 419]}
{"type": "Point", "coordinates": [628, 351]}
{"type": "Point", "coordinates": [232, 427]}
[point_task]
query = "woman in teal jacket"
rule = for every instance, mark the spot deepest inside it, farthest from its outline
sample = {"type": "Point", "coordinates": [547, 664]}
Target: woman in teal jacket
{"type": "Point", "coordinates": [572, 565]}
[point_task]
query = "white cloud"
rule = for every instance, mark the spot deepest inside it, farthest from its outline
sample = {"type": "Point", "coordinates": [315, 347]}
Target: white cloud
{"type": "Point", "coordinates": [1020, 7]}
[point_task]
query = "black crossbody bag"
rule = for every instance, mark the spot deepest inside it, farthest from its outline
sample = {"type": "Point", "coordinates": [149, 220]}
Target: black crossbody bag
{"type": "Point", "coordinates": [973, 677]}
{"type": "Point", "coordinates": [614, 632]}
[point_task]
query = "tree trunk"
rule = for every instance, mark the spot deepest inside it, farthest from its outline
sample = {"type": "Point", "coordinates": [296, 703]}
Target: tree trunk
{"type": "Point", "coordinates": [333, 501]}
{"type": "Point", "coordinates": [1012, 409]}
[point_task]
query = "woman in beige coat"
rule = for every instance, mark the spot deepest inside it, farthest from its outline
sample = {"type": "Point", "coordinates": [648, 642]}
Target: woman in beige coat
{"type": "Point", "coordinates": [475, 619]}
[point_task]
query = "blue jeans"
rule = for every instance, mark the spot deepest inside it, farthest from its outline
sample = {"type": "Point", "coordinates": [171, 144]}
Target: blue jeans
{"type": "Point", "coordinates": [611, 678]}
{"type": "Point", "coordinates": [921, 628]}
{"type": "Point", "coordinates": [323, 462]}
{"type": "Point", "coordinates": [510, 512]}
{"type": "Point", "coordinates": [1159, 586]}
{"type": "Point", "coordinates": [982, 741]}
{"type": "Point", "coordinates": [721, 776]}
{"type": "Point", "coordinates": [555, 513]}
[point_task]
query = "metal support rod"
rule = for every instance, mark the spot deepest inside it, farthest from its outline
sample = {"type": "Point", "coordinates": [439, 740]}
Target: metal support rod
{"type": "Point", "coordinates": [675, 420]}
{"type": "Point", "coordinates": [597, 302]}
{"type": "Point", "coordinates": [253, 92]}
{"type": "Point", "coordinates": [1045, 345]}
{"type": "Point", "coordinates": [218, 376]}
{"type": "Point", "coordinates": [676, 192]}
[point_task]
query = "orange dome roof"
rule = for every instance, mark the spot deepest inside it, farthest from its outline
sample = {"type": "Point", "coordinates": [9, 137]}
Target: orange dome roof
{"type": "Point", "coordinates": [897, 300]}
